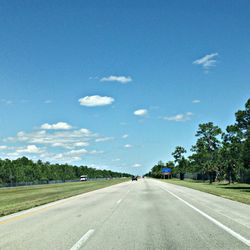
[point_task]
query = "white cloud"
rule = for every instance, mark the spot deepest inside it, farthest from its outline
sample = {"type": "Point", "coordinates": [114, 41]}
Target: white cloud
{"type": "Point", "coordinates": [52, 145]}
{"type": "Point", "coordinates": [81, 144]}
{"type": "Point", "coordinates": [60, 144]}
{"type": "Point", "coordinates": [31, 149]}
{"type": "Point", "coordinates": [96, 152]}
{"type": "Point", "coordinates": [12, 155]}
{"type": "Point", "coordinates": [78, 152]}
{"type": "Point", "coordinates": [96, 100]}
{"type": "Point", "coordinates": [6, 102]}
{"type": "Point", "coordinates": [68, 139]}
{"type": "Point", "coordinates": [56, 126]}
{"type": "Point", "coordinates": [128, 146]}
{"type": "Point", "coordinates": [141, 112]}
{"type": "Point", "coordinates": [207, 61]}
{"type": "Point", "coordinates": [125, 136]}
{"type": "Point", "coordinates": [69, 156]}
{"type": "Point", "coordinates": [102, 139]}
{"type": "Point", "coordinates": [93, 77]}
{"type": "Point", "coordinates": [84, 131]}
{"type": "Point", "coordinates": [137, 165]}
{"type": "Point", "coordinates": [121, 79]}
{"type": "Point", "coordinates": [196, 101]}
{"type": "Point", "coordinates": [117, 159]}
{"type": "Point", "coordinates": [179, 117]}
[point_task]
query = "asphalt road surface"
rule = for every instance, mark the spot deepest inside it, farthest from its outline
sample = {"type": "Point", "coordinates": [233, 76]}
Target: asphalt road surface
{"type": "Point", "coordinates": [147, 214]}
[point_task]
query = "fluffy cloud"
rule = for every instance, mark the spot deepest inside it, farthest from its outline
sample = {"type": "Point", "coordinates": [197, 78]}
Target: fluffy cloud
{"type": "Point", "coordinates": [207, 61]}
{"type": "Point", "coordinates": [141, 112]}
{"type": "Point", "coordinates": [74, 155]}
{"type": "Point", "coordinates": [51, 145]}
{"type": "Point", "coordinates": [137, 165]}
{"type": "Point", "coordinates": [78, 152]}
{"type": "Point", "coordinates": [125, 136]}
{"type": "Point", "coordinates": [96, 100]}
{"type": "Point", "coordinates": [196, 101]}
{"type": "Point", "coordinates": [81, 144]}
{"type": "Point", "coordinates": [128, 146]}
{"type": "Point", "coordinates": [102, 139]}
{"type": "Point", "coordinates": [68, 156]}
{"type": "Point", "coordinates": [64, 138]}
{"type": "Point", "coordinates": [120, 79]}
{"type": "Point", "coordinates": [30, 149]}
{"type": "Point", "coordinates": [56, 126]}
{"type": "Point", "coordinates": [179, 117]}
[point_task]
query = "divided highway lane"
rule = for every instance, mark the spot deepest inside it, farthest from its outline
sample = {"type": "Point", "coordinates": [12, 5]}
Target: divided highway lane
{"type": "Point", "coordinates": [60, 225]}
{"type": "Point", "coordinates": [147, 214]}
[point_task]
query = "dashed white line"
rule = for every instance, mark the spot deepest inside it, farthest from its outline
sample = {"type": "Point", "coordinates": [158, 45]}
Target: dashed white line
{"type": "Point", "coordinates": [84, 238]}
{"type": "Point", "coordinates": [118, 202]}
{"type": "Point", "coordinates": [219, 224]}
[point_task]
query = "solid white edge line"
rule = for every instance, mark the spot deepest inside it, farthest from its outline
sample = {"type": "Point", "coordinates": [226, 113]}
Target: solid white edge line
{"type": "Point", "coordinates": [84, 238]}
{"type": "Point", "coordinates": [219, 224]}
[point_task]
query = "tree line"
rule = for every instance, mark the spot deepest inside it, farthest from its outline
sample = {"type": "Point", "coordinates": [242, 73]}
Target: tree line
{"type": "Point", "coordinates": [217, 155]}
{"type": "Point", "coordinates": [26, 170]}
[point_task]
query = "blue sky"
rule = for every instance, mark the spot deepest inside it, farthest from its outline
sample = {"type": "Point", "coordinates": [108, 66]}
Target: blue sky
{"type": "Point", "coordinates": [118, 84]}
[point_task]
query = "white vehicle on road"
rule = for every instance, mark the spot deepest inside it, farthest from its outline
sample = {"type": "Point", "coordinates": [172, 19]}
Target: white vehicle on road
{"type": "Point", "coordinates": [83, 178]}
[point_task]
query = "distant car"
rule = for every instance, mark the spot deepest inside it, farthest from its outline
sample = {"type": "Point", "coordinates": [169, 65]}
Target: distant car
{"type": "Point", "coordinates": [83, 178]}
{"type": "Point", "coordinates": [134, 178]}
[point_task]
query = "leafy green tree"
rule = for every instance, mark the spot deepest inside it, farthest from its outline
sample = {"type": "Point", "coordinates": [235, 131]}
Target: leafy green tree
{"type": "Point", "coordinates": [242, 126]}
{"type": "Point", "coordinates": [156, 170]}
{"type": "Point", "coordinates": [170, 164]}
{"type": "Point", "coordinates": [231, 154]}
{"type": "Point", "coordinates": [207, 148]}
{"type": "Point", "coordinates": [24, 170]}
{"type": "Point", "coordinates": [227, 159]}
{"type": "Point", "coordinates": [181, 161]}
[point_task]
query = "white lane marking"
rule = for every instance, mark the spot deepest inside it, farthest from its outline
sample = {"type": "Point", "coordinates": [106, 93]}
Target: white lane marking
{"type": "Point", "coordinates": [227, 229]}
{"type": "Point", "coordinates": [84, 238]}
{"type": "Point", "coordinates": [118, 202]}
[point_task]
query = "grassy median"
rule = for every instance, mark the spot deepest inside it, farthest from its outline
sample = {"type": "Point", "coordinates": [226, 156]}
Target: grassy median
{"type": "Point", "coordinates": [236, 192]}
{"type": "Point", "coordinates": [20, 198]}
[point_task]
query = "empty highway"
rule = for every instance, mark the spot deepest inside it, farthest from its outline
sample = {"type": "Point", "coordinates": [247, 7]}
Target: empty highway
{"type": "Point", "coordinates": [147, 214]}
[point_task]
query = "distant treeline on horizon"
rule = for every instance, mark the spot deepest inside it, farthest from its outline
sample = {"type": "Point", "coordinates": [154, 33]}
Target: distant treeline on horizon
{"type": "Point", "coordinates": [26, 170]}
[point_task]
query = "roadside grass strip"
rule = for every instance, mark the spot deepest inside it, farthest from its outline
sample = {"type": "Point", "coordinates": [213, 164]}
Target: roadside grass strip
{"type": "Point", "coordinates": [236, 192]}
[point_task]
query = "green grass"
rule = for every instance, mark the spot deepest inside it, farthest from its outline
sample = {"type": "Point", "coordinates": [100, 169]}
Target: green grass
{"type": "Point", "coordinates": [20, 198]}
{"type": "Point", "coordinates": [236, 192]}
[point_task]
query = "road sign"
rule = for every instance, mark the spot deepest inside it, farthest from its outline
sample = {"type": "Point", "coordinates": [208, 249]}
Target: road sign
{"type": "Point", "coordinates": [166, 170]}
